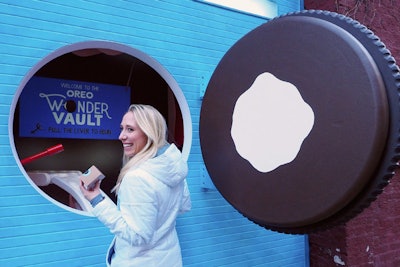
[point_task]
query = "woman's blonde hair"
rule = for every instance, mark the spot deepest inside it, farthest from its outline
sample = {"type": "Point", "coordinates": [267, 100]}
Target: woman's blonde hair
{"type": "Point", "coordinates": [153, 124]}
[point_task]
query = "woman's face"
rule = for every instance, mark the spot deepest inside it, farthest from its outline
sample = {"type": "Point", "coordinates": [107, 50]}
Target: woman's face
{"type": "Point", "coordinates": [132, 137]}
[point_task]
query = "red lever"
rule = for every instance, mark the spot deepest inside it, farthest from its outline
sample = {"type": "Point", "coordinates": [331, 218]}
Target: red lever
{"type": "Point", "coordinates": [48, 152]}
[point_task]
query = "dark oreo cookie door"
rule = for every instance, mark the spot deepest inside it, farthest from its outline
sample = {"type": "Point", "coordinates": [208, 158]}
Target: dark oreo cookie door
{"type": "Point", "coordinates": [344, 74]}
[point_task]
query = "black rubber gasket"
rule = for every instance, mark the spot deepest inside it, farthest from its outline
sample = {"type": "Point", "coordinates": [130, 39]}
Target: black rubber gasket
{"type": "Point", "coordinates": [352, 83]}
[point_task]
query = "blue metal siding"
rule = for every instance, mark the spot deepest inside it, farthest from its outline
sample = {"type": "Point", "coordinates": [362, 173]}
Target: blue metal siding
{"type": "Point", "coordinates": [188, 38]}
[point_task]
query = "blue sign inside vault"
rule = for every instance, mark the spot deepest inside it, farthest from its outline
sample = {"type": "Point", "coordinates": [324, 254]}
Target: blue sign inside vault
{"type": "Point", "coordinates": [54, 108]}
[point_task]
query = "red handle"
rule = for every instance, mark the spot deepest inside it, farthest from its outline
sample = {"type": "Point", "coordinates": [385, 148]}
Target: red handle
{"type": "Point", "coordinates": [48, 152]}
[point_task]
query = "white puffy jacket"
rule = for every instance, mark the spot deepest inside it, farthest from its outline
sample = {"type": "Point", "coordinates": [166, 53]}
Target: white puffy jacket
{"type": "Point", "coordinates": [149, 200]}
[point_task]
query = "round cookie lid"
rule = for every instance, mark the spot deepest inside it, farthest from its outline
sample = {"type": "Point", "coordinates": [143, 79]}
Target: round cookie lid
{"type": "Point", "coordinates": [299, 121]}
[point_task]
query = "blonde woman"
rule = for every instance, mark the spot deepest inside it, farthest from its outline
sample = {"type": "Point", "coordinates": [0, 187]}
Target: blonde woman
{"type": "Point", "coordinates": [151, 190]}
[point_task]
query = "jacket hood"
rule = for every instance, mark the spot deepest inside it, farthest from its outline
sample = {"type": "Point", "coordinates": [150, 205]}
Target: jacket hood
{"type": "Point", "coordinates": [168, 167]}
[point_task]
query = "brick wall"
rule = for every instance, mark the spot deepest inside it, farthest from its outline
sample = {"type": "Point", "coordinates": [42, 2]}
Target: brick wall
{"type": "Point", "coordinates": [372, 238]}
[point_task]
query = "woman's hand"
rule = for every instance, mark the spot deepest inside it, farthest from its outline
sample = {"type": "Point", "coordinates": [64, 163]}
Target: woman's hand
{"type": "Point", "coordinates": [92, 193]}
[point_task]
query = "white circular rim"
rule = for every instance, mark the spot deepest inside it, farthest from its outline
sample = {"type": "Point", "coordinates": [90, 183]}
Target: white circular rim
{"type": "Point", "coordinates": [183, 105]}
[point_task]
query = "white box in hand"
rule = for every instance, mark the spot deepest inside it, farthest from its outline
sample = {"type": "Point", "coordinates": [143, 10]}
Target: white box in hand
{"type": "Point", "coordinates": [91, 176]}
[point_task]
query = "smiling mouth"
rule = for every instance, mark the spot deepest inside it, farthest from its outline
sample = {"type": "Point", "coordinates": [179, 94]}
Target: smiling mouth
{"type": "Point", "coordinates": [127, 145]}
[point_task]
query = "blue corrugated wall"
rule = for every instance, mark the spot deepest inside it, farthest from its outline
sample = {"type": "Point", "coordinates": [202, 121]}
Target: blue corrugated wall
{"type": "Point", "coordinates": [188, 38]}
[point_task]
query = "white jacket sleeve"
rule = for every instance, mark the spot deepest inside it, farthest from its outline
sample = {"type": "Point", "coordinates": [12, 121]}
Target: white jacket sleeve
{"type": "Point", "coordinates": [186, 204]}
{"type": "Point", "coordinates": [135, 220]}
